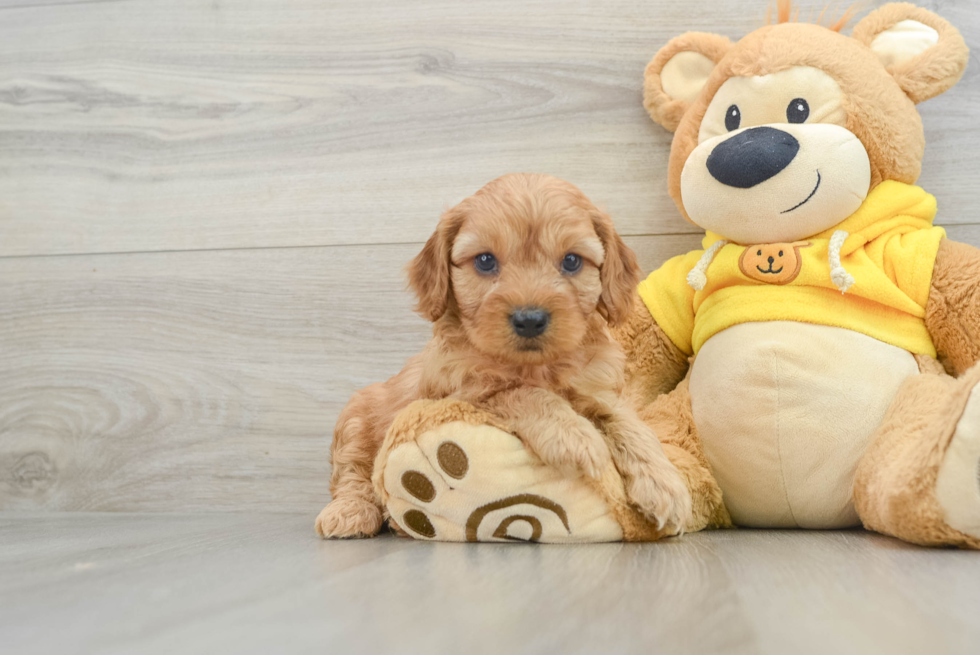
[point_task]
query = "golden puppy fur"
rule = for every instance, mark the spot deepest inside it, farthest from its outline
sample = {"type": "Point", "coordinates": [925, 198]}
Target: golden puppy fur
{"type": "Point", "coordinates": [560, 392]}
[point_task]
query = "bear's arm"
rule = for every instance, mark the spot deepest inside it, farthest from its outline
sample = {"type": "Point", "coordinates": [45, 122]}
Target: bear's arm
{"type": "Point", "coordinates": [953, 309]}
{"type": "Point", "coordinates": [654, 365]}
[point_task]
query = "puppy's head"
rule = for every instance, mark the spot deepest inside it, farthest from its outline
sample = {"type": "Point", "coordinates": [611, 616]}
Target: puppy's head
{"type": "Point", "coordinates": [527, 265]}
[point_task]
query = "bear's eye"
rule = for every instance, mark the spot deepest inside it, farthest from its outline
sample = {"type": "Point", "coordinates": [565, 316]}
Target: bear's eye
{"type": "Point", "coordinates": [485, 263]}
{"type": "Point", "coordinates": [780, 253]}
{"type": "Point", "coordinates": [733, 118]}
{"type": "Point", "coordinates": [798, 111]}
{"type": "Point", "coordinates": [759, 253]}
{"type": "Point", "coordinates": [571, 264]}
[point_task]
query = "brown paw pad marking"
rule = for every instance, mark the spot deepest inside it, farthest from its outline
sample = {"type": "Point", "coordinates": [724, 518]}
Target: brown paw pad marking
{"type": "Point", "coordinates": [418, 485]}
{"type": "Point", "coordinates": [500, 532]}
{"type": "Point", "coordinates": [452, 459]}
{"type": "Point", "coordinates": [454, 463]}
{"type": "Point", "coordinates": [419, 523]}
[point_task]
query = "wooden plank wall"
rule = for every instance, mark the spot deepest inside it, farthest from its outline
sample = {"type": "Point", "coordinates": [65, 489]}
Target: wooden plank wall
{"type": "Point", "coordinates": [205, 209]}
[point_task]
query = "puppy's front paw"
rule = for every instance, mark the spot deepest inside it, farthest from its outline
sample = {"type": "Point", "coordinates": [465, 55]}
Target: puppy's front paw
{"type": "Point", "coordinates": [349, 518]}
{"type": "Point", "coordinates": [662, 497]}
{"type": "Point", "coordinates": [574, 447]}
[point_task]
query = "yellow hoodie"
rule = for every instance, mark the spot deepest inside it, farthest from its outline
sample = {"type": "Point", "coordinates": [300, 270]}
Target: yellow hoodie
{"type": "Point", "coordinates": [871, 274]}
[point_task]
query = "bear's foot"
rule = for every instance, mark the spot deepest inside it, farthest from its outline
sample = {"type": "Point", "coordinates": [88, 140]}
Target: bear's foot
{"type": "Point", "coordinates": [450, 472]}
{"type": "Point", "coordinates": [919, 479]}
{"type": "Point", "coordinates": [958, 480]}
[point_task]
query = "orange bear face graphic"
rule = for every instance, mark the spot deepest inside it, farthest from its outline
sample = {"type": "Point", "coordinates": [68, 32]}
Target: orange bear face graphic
{"type": "Point", "coordinates": [772, 263]}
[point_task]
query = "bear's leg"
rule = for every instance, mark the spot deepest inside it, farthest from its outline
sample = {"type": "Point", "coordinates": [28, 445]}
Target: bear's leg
{"type": "Point", "coordinates": [672, 420]}
{"type": "Point", "coordinates": [451, 472]}
{"type": "Point", "coordinates": [920, 478]}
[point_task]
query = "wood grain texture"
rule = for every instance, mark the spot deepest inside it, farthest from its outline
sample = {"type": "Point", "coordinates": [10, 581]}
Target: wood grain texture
{"type": "Point", "coordinates": [143, 126]}
{"type": "Point", "coordinates": [255, 174]}
{"type": "Point", "coordinates": [201, 381]}
{"type": "Point", "coordinates": [197, 380]}
{"type": "Point", "coordinates": [240, 150]}
{"type": "Point", "coordinates": [264, 583]}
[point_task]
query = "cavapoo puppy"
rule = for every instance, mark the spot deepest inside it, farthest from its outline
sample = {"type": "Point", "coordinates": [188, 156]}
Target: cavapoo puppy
{"type": "Point", "coordinates": [521, 281]}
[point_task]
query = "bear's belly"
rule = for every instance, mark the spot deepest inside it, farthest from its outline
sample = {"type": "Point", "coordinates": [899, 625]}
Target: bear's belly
{"type": "Point", "coordinates": [785, 410]}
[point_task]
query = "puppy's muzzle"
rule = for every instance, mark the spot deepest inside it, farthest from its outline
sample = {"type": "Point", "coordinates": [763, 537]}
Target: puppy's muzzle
{"type": "Point", "coordinates": [530, 322]}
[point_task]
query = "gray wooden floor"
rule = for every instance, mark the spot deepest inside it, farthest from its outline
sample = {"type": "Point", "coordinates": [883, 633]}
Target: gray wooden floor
{"type": "Point", "coordinates": [205, 208]}
{"type": "Point", "coordinates": [258, 584]}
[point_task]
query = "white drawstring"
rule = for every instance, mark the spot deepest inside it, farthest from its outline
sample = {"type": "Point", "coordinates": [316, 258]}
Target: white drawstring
{"type": "Point", "coordinates": [838, 275]}
{"type": "Point", "coordinates": [698, 277]}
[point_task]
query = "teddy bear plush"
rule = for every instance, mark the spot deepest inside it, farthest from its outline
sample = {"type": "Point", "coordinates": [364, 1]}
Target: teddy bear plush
{"type": "Point", "coordinates": [815, 364]}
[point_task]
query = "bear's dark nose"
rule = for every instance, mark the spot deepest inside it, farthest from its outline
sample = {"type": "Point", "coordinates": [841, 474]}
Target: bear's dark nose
{"type": "Point", "coordinates": [771, 260]}
{"type": "Point", "coordinates": [530, 322]}
{"type": "Point", "coordinates": [752, 157]}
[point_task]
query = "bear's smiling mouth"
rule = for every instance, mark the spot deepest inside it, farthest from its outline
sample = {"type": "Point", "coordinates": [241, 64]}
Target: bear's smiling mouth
{"type": "Point", "coordinates": [770, 270]}
{"type": "Point", "coordinates": [807, 198]}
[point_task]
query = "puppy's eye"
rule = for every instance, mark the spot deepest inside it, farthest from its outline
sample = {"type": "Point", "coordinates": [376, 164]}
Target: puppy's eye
{"type": "Point", "coordinates": [485, 263]}
{"type": "Point", "coordinates": [798, 111]}
{"type": "Point", "coordinates": [571, 264]}
{"type": "Point", "coordinates": [733, 118]}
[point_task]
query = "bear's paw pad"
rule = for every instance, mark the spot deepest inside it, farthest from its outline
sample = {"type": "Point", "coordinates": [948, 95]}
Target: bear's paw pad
{"type": "Point", "coordinates": [465, 482]}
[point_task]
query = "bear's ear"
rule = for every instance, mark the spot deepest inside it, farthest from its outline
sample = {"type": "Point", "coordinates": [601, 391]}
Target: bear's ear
{"type": "Point", "coordinates": [676, 75]}
{"type": "Point", "coordinates": [924, 53]}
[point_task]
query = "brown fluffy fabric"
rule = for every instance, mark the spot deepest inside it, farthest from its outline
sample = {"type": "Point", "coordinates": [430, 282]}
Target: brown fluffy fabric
{"type": "Point", "coordinates": [894, 487]}
{"type": "Point", "coordinates": [953, 310]}
{"type": "Point", "coordinates": [663, 109]}
{"type": "Point", "coordinates": [930, 73]}
{"type": "Point", "coordinates": [654, 365]}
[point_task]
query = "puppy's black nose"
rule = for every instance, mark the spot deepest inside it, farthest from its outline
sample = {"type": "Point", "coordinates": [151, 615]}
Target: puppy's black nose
{"type": "Point", "coordinates": [530, 322]}
{"type": "Point", "coordinates": [752, 157]}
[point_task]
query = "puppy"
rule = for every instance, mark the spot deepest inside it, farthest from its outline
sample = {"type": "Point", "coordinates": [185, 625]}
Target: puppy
{"type": "Point", "coordinates": [521, 281]}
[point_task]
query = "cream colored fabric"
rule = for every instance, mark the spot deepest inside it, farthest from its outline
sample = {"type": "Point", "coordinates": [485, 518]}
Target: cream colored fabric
{"type": "Point", "coordinates": [785, 410]}
{"type": "Point", "coordinates": [763, 100]}
{"type": "Point", "coordinates": [497, 464]}
{"type": "Point", "coordinates": [958, 481]}
{"type": "Point", "coordinates": [683, 77]}
{"type": "Point", "coordinates": [825, 183]}
{"type": "Point", "coordinates": [904, 40]}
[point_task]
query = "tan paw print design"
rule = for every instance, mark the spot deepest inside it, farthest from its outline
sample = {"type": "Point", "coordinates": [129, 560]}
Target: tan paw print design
{"type": "Point", "coordinates": [446, 477]}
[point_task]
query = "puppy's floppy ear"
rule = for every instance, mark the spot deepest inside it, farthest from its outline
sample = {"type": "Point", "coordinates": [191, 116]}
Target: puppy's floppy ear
{"type": "Point", "coordinates": [923, 52]}
{"type": "Point", "coordinates": [619, 273]}
{"type": "Point", "coordinates": [428, 273]}
{"type": "Point", "coordinates": [677, 73]}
